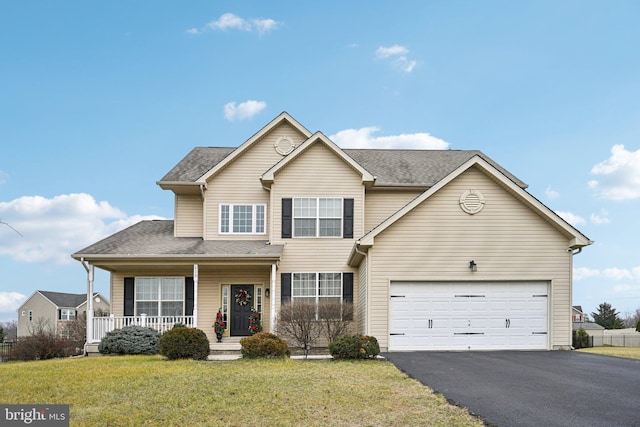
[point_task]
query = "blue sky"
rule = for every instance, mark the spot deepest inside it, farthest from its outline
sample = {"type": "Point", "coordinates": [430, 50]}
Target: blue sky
{"type": "Point", "coordinates": [98, 100]}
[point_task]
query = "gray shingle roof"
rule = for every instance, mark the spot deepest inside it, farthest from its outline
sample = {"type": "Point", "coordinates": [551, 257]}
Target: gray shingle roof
{"type": "Point", "coordinates": [62, 299]}
{"type": "Point", "coordinates": [156, 238]}
{"type": "Point", "coordinates": [390, 167]}
{"type": "Point", "coordinates": [197, 163]}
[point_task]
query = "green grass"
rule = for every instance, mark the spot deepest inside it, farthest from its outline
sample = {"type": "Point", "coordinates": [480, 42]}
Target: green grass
{"type": "Point", "coordinates": [148, 390]}
{"type": "Point", "coordinates": [626, 352]}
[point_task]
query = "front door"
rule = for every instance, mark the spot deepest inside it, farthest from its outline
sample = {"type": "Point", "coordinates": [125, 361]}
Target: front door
{"type": "Point", "coordinates": [241, 305]}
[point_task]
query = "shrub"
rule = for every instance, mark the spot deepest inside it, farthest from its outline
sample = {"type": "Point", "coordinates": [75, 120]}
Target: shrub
{"type": "Point", "coordinates": [354, 347]}
{"type": "Point", "coordinates": [43, 343]}
{"type": "Point", "coordinates": [297, 321]}
{"type": "Point", "coordinates": [255, 322]}
{"type": "Point", "coordinates": [580, 338]}
{"type": "Point", "coordinates": [336, 319]}
{"type": "Point", "coordinates": [264, 344]}
{"type": "Point", "coordinates": [184, 343]}
{"type": "Point", "coordinates": [638, 326]}
{"type": "Point", "coordinates": [130, 340]}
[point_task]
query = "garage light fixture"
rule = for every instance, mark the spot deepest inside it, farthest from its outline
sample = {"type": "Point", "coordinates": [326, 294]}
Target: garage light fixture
{"type": "Point", "coordinates": [473, 266]}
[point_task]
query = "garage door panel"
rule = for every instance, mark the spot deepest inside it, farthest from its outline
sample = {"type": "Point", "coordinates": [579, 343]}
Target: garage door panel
{"type": "Point", "coordinates": [463, 316]}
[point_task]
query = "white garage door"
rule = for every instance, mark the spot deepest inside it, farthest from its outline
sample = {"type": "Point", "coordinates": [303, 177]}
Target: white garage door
{"type": "Point", "coordinates": [468, 316]}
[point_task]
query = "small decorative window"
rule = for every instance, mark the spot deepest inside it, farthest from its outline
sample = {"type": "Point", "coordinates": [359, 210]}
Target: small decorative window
{"type": "Point", "coordinates": [242, 219]}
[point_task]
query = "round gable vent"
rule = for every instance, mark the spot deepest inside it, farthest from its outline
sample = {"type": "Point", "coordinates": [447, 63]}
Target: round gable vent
{"type": "Point", "coordinates": [471, 201]}
{"type": "Point", "coordinates": [284, 145]}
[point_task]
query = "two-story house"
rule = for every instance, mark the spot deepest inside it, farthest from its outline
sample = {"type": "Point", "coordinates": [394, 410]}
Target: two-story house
{"type": "Point", "coordinates": [54, 310]}
{"type": "Point", "coordinates": [436, 249]}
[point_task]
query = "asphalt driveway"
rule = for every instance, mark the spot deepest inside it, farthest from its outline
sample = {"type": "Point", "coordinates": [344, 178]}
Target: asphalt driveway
{"type": "Point", "coordinates": [532, 388]}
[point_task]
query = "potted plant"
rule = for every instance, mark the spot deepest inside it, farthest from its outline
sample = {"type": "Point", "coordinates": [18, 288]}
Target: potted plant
{"type": "Point", "coordinates": [255, 323]}
{"type": "Point", "coordinates": [220, 325]}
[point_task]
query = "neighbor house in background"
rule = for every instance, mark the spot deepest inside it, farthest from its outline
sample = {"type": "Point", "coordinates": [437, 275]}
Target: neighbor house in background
{"type": "Point", "coordinates": [436, 249]}
{"type": "Point", "coordinates": [53, 309]}
{"type": "Point", "coordinates": [577, 316]}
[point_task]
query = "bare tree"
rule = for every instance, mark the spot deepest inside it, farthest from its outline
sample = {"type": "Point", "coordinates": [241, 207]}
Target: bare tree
{"type": "Point", "coordinates": [10, 330]}
{"type": "Point", "coordinates": [336, 319]}
{"type": "Point", "coordinates": [297, 320]}
{"type": "Point", "coordinates": [631, 319]}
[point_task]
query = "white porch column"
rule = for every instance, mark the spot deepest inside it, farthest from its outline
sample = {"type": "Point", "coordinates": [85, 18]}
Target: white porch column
{"type": "Point", "coordinates": [195, 295]}
{"type": "Point", "coordinates": [90, 275]}
{"type": "Point", "coordinates": [272, 322]}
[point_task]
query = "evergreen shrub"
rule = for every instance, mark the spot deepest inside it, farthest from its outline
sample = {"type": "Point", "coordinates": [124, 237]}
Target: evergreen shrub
{"type": "Point", "coordinates": [184, 343]}
{"type": "Point", "coordinates": [264, 345]}
{"type": "Point", "coordinates": [354, 347]}
{"type": "Point", "coordinates": [130, 340]}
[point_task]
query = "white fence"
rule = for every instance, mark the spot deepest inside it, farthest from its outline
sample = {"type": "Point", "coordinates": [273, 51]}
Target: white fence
{"type": "Point", "coordinates": [616, 340]}
{"type": "Point", "coordinates": [102, 325]}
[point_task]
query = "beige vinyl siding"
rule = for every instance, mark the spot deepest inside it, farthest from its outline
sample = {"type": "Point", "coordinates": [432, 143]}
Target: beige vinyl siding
{"type": "Point", "coordinates": [318, 172]}
{"type": "Point", "coordinates": [210, 282]}
{"type": "Point", "coordinates": [436, 241]}
{"type": "Point", "coordinates": [188, 215]}
{"type": "Point", "coordinates": [239, 183]}
{"type": "Point", "coordinates": [381, 204]}
{"type": "Point", "coordinates": [44, 313]}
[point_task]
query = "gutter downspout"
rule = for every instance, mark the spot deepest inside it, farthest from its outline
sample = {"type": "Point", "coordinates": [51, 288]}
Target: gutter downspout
{"type": "Point", "coordinates": [90, 278]}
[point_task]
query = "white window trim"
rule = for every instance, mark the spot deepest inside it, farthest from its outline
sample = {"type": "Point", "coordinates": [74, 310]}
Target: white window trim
{"type": "Point", "coordinates": [66, 313]}
{"type": "Point", "coordinates": [159, 300]}
{"type": "Point", "coordinates": [317, 218]}
{"type": "Point", "coordinates": [317, 285]}
{"type": "Point", "coordinates": [253, 218]}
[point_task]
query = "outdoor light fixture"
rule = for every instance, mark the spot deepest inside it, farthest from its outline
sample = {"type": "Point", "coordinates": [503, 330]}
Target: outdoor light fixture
{"type": "Point", "coordinates": [473, 266]}
{"type": "Point", "coordinates": [267, 292]}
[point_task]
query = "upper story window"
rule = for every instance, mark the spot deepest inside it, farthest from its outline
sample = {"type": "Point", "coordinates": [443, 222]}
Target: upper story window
{"type": "Point", "coordinates": [242, 219]}
{"type": "Point", "coordinates": [67, 314]}
{"type": "Point", "coordinates": [317, 217]}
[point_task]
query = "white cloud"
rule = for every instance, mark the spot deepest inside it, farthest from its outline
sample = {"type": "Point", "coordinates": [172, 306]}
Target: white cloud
{"type": "Point", "coordinates": [385, 52]}
{"type": "Point", "coordinates": [364, 138]}
{"type": "Point", "coordinates": [551, 194]}
{"type": "Point", "coordinates": [230, 21]}
{"type": "Point", "coordinates": [244, 110]}
{"type": "Point", "coordinates": [52, 229]}
{"type": "Point", "coordinates": [398, 56]}
{"type": "Point", "coordinates": [572, 218]}
{"type": "Point", "coordinates": [620, 175]}
{"type": "Point", "coordinates": [10, 301]}
{"type": "Point", "coordinates": [613, 273]}
{"type": "Point", "coordinates": [600, 218]}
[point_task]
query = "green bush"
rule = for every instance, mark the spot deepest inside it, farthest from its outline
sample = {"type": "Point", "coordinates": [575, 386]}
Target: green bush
{"type": "Point", "coordinates": [638, 326]}
{"type": "Point", "coordinates": [580, 338]}
{"type": "Point", "coordinates": [184, 343]}
{"type": "Point", "coordinates": [354, 347]}
{"type": "Point", "coordinates": [264, 344]}
{"type": "Point", "coordinates": [130, 340]}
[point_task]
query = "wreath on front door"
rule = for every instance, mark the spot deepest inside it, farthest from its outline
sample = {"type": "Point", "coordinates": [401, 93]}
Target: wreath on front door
{"type": "Point", "coordinates": [242, 297]}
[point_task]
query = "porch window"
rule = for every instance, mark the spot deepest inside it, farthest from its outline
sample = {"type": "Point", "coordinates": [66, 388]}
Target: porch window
{"type": "Point", "coordinates": [159, 296]}
{"type": "Point", "coordinates": [317, 217]}
{"type": "Point", "coordinates": [242, 219]}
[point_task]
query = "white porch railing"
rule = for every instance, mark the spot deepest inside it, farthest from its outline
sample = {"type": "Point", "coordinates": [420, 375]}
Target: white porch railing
{"type": "Point", "coordinates": [102, 325]}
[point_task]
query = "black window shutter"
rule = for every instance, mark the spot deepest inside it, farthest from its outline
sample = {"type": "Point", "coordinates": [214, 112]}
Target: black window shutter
{"type": "Point", "coordinates": [285, 283]}
{"type": "Point", "coordinates": [129, 293]}
{"type": "Point", "coordinates": [75, 315]}
{"type": "Point", "coordinates": [347, 290]}
{"type": "Point", "coordinates": [287, 217]}
{"type": "Point", "coordinates": [59, 314]}
{"type": "Point", "coordinates": [347, 231]}
{"type": "Point", "coordinates": [189, 296]}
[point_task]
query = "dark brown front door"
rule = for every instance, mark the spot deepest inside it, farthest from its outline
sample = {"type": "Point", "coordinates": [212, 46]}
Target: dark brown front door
{"type": "Point", "coordinates": [241, 304]}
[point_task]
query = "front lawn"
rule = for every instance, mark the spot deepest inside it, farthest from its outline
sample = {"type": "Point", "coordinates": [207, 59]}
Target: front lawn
{"type": "Point", "coordinates": [148, 390]}
{"type": "Point", "coordinates": [627, 352]}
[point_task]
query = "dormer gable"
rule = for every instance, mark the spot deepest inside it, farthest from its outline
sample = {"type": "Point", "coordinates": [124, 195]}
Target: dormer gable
{"type": "Point", "coordinates": [268, 177]}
